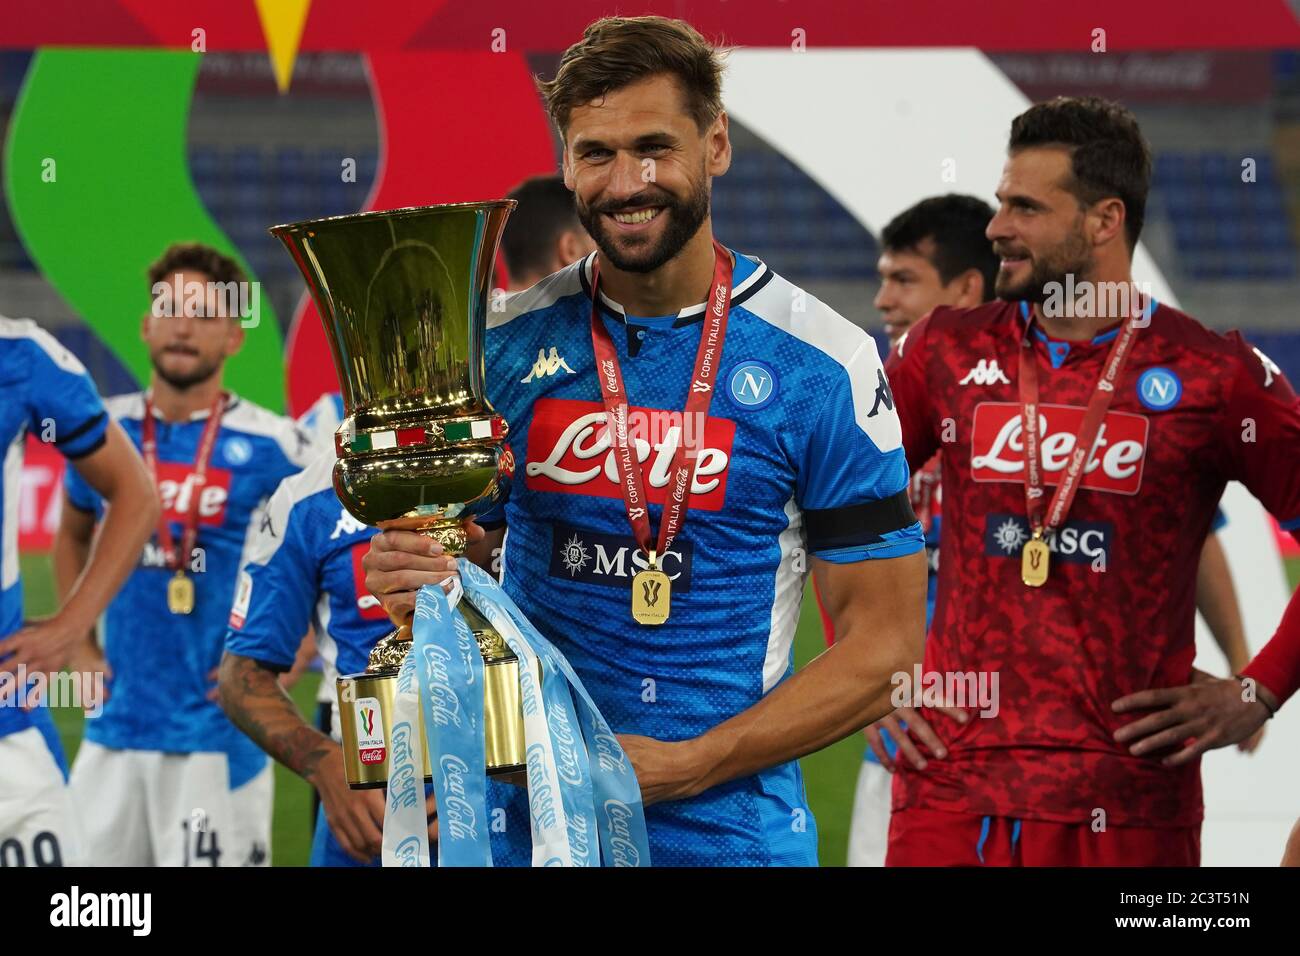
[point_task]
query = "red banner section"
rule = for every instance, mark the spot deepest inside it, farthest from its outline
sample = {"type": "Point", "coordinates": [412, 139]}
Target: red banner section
{"type": "Point", "coordinates": [525, 26]}
{"type": "Point", "coordinates": [40, 493]}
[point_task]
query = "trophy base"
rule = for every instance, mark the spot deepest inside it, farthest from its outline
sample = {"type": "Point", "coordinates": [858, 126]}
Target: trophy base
{"type": "Point", "coordinates": [366, 708]}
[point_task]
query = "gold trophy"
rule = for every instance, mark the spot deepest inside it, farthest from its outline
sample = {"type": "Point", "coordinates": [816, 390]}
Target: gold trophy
{"type": "Point", "coordinates": [403, 295]}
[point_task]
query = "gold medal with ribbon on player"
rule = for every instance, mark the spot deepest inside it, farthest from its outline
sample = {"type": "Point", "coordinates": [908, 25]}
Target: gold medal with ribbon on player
{"type": "Point", "coordinates": [652, 595]}
{"type": "Point", "coordinates": [180, 587]}
{"type": "Point", "coordinates": [1035, 559]}
{"type": "Point", "coordinates": [652, 589]}
{"type": "Point", "coordinates": [180, 594]}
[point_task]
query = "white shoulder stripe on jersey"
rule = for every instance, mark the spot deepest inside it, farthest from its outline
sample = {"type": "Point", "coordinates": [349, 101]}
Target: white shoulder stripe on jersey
{"type": "Point", "coordinates": [315, 478]}
{"type": "Point", "coordinates": [58, 353]}
{"type": "Point", "coordinates": [817, 324]}
{"type": "Point", "coordinates": [545, 293]}
{"type": "Point", "coordinates": [245, 416]}
{"type": "Point", "coordinates": [760, 270]}
{"type": "Point", "coordinates": [787, 595]}
{"type": "Point", "coordinates": [129, 407]}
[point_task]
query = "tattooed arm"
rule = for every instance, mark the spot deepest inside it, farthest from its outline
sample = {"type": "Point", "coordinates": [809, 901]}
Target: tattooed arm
{"type": "Point", "coordinates": [252, 697]}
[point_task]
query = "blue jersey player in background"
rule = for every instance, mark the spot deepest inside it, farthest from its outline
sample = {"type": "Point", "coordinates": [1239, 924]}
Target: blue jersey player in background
{"type": "Point", "coordinates": [302, 568]}
{"type": "Point", "coordinates": [799, 467]}
{"type": "Point", "coordinates": [45, 392]}
{"type": "Point", "coordinates": [162, 776]}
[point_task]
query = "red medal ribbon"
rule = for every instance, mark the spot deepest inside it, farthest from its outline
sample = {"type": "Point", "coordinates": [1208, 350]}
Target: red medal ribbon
{"type": "Point", "coordinates": [614, 393]}
{"type": "Point", "coordinates": [1089, 428]}
{"type": "Point", "coordinates": [149, 450]}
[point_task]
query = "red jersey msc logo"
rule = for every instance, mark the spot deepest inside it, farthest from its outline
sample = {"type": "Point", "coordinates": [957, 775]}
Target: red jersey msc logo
{"type": "Point", "coordinates": [998, 446]}
{"type": "Point", "coordinates": [570, 451]}
{"type": "Point", "coordinates": [180, 493]}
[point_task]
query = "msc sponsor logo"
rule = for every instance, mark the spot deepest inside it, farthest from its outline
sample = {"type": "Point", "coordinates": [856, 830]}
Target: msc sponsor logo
{"type": "Point", "coordinates": [571, 451]}
{"type": "Point", "coordinates": [998, 446]}
{"type": "Point", "coordinates": [752, 385]}
{"type": "Point", "coordinates": [1076, 542]}
{"type": "Point", "coordinates": [578, 554]}
{"type": "Point", "coordinates": [1159, 389]}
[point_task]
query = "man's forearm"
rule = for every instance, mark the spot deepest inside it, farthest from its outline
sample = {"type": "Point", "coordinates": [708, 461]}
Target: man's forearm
{"type": "Point", "coordinates": [834, 696]}
{"type": "Point", "coordinates": [253, 699]}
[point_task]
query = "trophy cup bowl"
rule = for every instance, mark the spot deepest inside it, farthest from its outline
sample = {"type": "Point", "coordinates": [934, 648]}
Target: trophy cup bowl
{"type": "Point", "coordinates": [403, 296]}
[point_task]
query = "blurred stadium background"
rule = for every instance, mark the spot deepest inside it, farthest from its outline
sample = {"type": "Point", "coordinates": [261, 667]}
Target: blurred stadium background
{"type": "Point", "coordinates": [254, 154]}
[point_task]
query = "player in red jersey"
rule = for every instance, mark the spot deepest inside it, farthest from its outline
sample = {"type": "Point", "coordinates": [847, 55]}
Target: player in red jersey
{"type": "Point", "coordinates": [1071, 583]}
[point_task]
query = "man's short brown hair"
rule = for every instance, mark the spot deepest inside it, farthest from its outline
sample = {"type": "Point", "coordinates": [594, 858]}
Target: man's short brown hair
{"type": "Point", "coordinates": [617, 51]}
{"type": "Point", "coordinates": [195, 257]}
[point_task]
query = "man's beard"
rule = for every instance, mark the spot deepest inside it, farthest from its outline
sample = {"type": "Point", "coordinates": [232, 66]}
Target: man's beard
{"type": "Point", "coordinates": [1072, 257]}
{"type": "Point", "coordinates": [684, 220]}
{"type": "Point", "coordinates": [201, 373]}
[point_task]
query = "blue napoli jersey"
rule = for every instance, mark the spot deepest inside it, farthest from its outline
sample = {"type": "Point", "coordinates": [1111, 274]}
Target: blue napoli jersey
{"type": "Point", "coordinates": [44, 390]}
{"type": "Point", "coordinates": [801, 454]}
{"type": "Point", "coordinates": [160, 661]}
{"type": "Point", "coordinates": [302, 568]}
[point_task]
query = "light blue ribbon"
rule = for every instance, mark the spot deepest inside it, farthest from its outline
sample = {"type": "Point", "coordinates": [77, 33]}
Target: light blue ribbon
{"type": "Point", "coordinates": [450, 670]}
{"type": "Point", "coordinates": [614, 792]}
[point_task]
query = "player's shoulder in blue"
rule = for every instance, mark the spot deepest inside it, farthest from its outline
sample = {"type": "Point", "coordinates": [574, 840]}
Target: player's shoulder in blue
{"type": "Point", "coordinates": [30, 353]}
{"type": "Point", "coordinates": [817, 352]}
{"type": "Point", "coordinates": [49, 387]}
{"type": "Point", "coordinates": [304, 506]}
{"type": "Point", "coordinates": [518, 312]}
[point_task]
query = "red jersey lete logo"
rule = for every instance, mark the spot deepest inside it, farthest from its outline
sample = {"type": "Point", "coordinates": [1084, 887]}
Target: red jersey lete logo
{"type": "Point", "coordinates": [570, 451]}
{"type": "Point", "coordinates": [998, 447]}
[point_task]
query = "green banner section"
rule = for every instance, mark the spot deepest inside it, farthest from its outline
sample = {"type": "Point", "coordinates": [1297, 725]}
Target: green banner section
{"type": "Point", "coordinates": [98, 186]}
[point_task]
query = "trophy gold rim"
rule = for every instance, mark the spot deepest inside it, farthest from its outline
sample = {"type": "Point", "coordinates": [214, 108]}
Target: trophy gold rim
{"type": "Point", "coordinates": [399, 212]}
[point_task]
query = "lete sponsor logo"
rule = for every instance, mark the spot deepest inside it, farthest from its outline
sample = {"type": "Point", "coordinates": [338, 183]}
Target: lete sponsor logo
{"type": "Point", "coordinates": [180, 492]}
{"type": "Point", "coordinates": [998, 447]}
{"type": "Point", "coordinates": [570, 450]}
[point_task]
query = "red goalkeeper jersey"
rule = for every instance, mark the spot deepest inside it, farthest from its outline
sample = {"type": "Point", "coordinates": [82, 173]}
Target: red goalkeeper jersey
{"type": "Point", "coordinates": [1192, 410]}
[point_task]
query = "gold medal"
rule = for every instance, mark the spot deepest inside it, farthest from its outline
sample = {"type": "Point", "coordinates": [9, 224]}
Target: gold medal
{"type": "Point", "coordinates": [1033, 561]}
{"type": "Point", "coordinates": [652, 595]}
{"type": "Point", "coordinates": [180, 594]}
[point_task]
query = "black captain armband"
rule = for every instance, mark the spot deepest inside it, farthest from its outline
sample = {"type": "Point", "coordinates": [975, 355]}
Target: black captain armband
{"type": "Point", "coordinates": [857, 525]}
